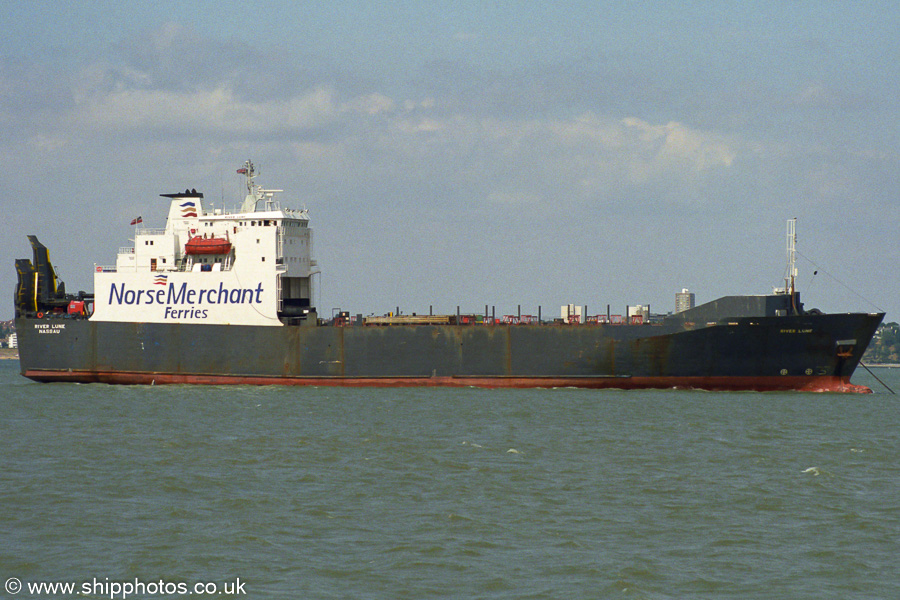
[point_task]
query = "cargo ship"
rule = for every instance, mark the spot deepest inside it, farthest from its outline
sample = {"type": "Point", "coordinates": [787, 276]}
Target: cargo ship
{"type": "Point", "coordinates": [226, 297]}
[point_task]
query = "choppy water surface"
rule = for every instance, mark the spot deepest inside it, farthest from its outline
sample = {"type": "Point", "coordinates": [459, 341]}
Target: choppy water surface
{"type": "Point", "coordinates": [424, 493]}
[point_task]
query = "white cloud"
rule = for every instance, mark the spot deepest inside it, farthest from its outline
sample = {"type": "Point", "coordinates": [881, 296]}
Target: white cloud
{"type": "Point", "coordinates": [421, 125]}
{"type": "Point", "coordinates": [370, 104]}
{"type": "Point", "coordinates": [528, 161]}
{"type": "Point", "coordinates": [674, 144]}
{"type": "Point", "coordinates": [410, 105]}
{"type": "Point", "coordinates": [503, 160]}
{"type": "Point", "coordinates": [213, 110]}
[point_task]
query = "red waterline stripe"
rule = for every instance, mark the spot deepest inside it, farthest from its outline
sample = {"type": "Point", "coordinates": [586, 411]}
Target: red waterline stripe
{"type": "Point", "coordinates": [762, 384]}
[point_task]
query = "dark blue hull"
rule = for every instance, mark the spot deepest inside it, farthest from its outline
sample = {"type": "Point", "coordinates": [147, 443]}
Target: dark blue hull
{"type": "Point", "coordinates": [805, 352]}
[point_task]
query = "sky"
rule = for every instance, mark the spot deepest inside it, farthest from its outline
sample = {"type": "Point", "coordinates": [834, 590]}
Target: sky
{"type": "Point", "coordinates": [473, 153]}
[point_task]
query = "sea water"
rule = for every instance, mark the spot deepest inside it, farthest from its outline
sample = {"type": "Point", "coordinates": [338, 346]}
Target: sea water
{"type": "Point", "coordinates": [278, 492]}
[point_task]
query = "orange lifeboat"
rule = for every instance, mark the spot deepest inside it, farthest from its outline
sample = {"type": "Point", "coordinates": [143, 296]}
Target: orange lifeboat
{"type": "Point", "coordinates": [199, 245]}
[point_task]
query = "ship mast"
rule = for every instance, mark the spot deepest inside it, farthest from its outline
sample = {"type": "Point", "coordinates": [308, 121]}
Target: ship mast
{"type": "Point", "coordinates": [252, 198]}
{"type": "Point", "coordinates": [791, 256]}
{"type": "Point", "coordinates": [255, 194]}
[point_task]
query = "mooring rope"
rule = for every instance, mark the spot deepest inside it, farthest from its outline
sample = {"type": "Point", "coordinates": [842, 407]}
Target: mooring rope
{"type": "Point", "coordinates": [876, 377]}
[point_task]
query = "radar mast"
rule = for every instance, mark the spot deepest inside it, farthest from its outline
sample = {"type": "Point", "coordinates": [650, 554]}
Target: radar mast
{"type": "Point", "coordinates": [255, 194]}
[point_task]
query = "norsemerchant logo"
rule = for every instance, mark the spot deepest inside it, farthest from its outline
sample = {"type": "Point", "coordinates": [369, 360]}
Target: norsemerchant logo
{"type": "Point", "coordinates": [174, 296]}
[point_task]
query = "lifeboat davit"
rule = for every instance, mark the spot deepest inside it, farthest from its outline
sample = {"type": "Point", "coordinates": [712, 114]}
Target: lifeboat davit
{"type": "Point", "coordinates": [199, 245]}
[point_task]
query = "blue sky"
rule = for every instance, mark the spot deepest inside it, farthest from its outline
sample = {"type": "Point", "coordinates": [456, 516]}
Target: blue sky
{"type": "Point", "coordinates": [474, 153]}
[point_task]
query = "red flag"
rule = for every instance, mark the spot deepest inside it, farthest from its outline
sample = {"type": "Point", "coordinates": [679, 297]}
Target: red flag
{"type": "Point", "coordinates": [137, 220]}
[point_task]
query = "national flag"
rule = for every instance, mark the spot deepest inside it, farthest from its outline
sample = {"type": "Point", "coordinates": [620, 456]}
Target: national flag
{"type": "Point", "coordinates": [137, 220]}
{"type": "Point", "coordinates": [242, 171]}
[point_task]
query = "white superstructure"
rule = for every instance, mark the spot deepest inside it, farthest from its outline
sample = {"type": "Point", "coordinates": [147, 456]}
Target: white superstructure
{"type": "Point", "coordinates": [251, 267]}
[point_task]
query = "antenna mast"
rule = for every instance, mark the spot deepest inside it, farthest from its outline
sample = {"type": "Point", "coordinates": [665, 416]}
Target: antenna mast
{"type": "Point", "coordinates": [791, 256]}
{"type": "Point", "coordinates": [249, 171]}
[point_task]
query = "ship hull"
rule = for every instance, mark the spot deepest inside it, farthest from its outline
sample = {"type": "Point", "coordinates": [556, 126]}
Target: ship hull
{"type": "Point", "coordinates": [801, 352]}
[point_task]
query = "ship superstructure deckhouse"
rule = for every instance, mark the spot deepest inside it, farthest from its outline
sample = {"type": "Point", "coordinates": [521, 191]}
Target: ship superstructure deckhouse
{"type": "Point", "coordinates": [209, 266]}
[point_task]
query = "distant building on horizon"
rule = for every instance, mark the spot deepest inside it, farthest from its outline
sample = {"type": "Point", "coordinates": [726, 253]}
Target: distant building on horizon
{"type": "Point", "coordinates": [684, 300]}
